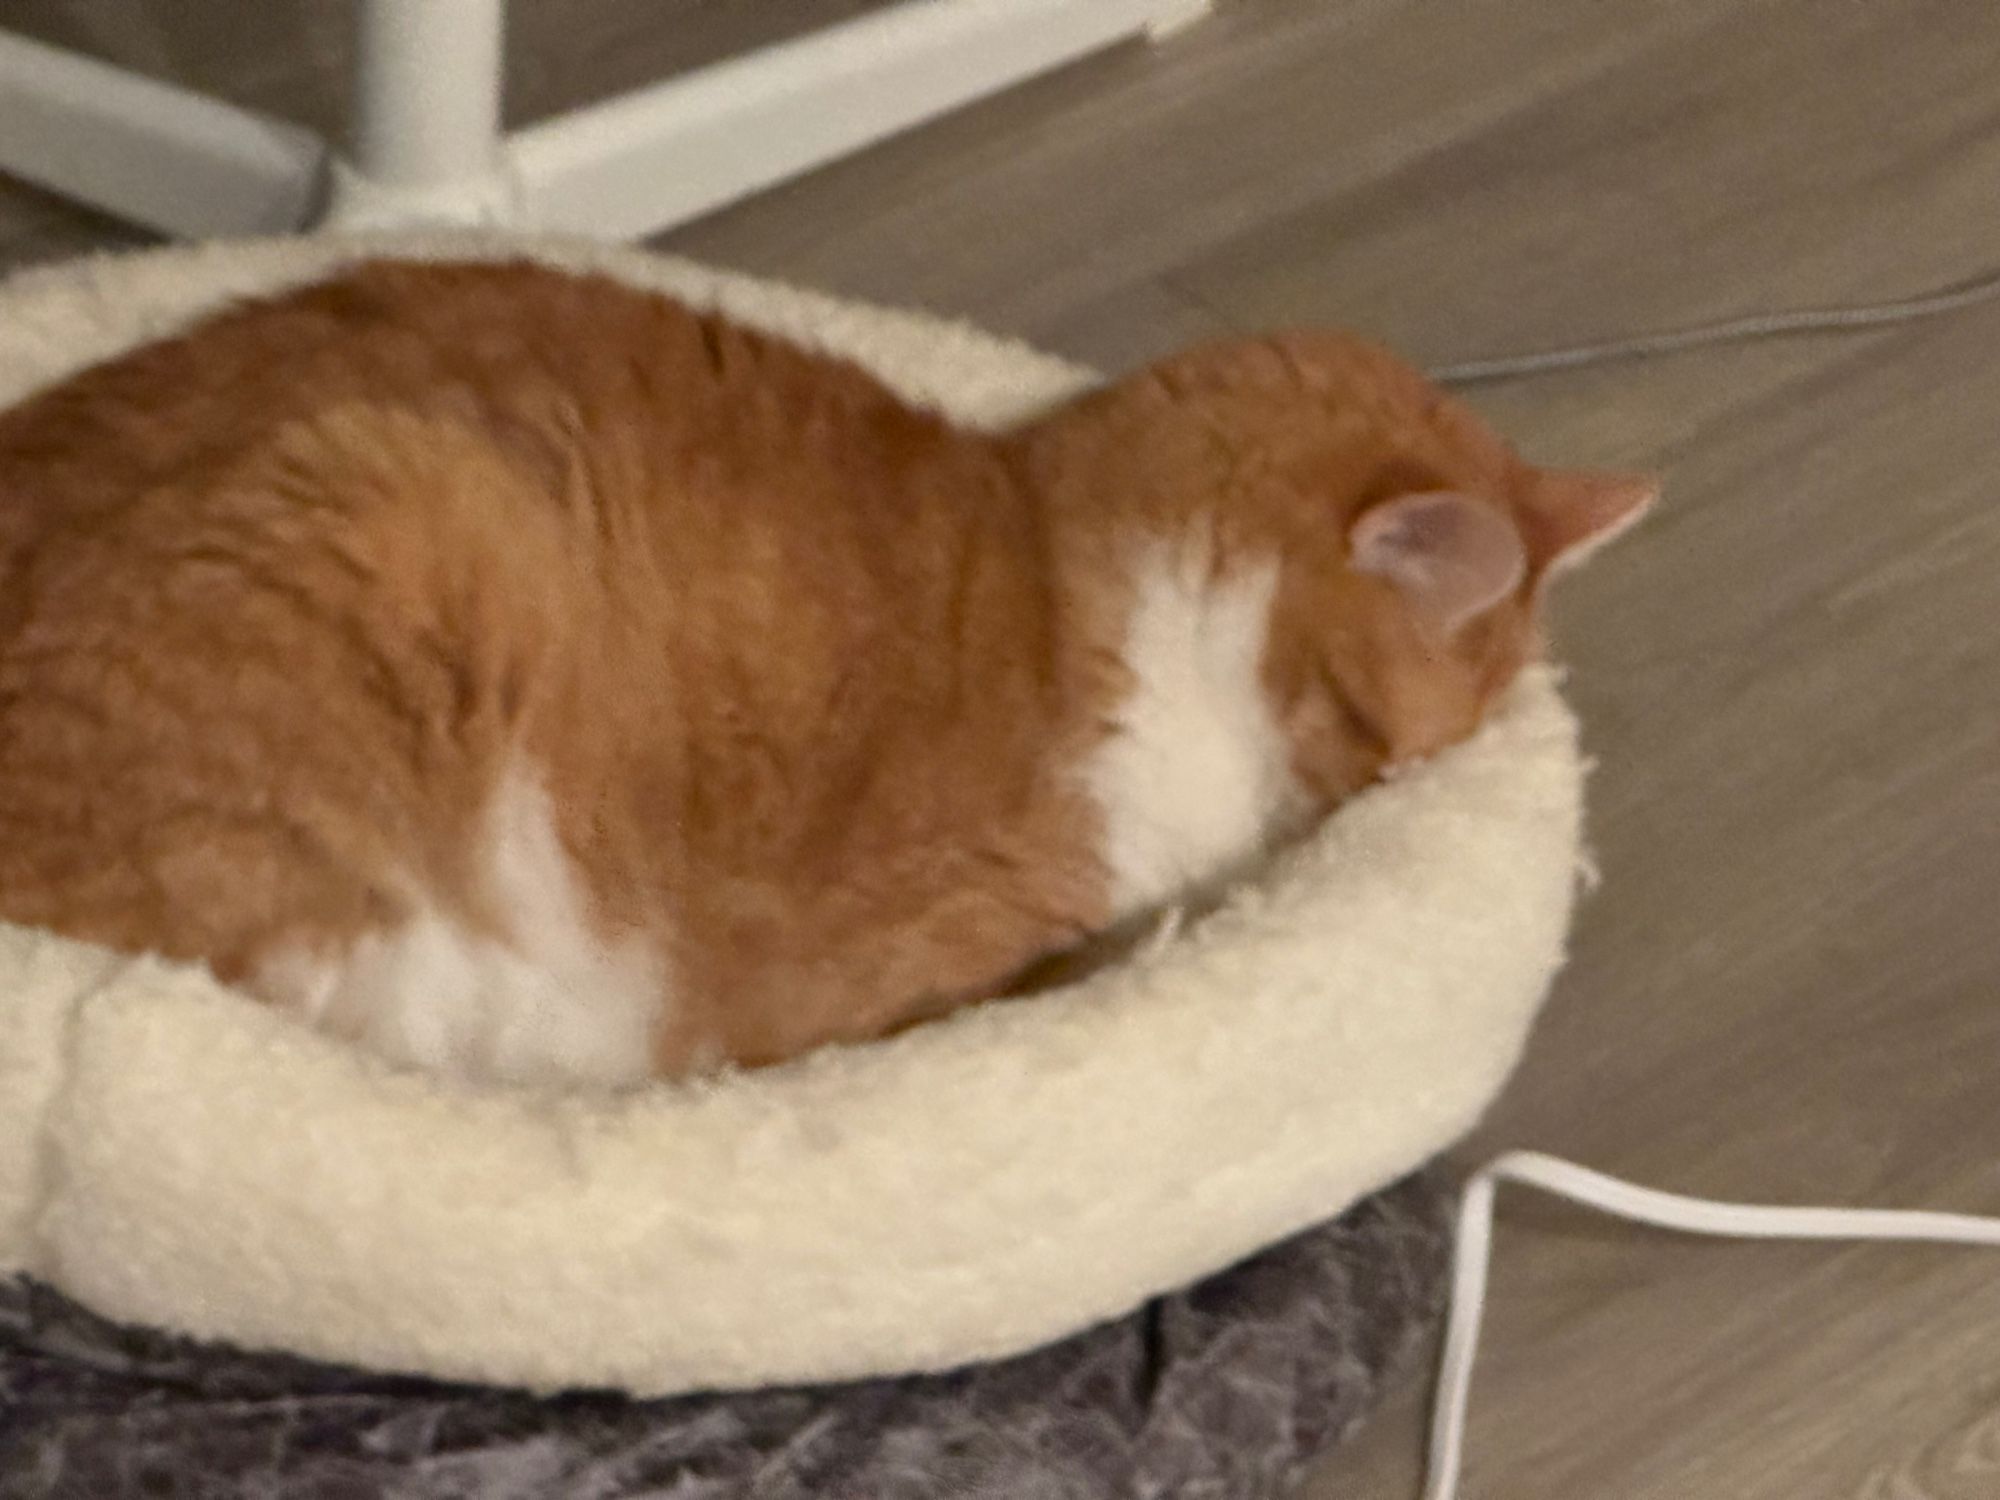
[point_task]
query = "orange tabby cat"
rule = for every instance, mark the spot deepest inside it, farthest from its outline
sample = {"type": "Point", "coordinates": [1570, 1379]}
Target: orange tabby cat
{"type": "Point", "coordinates": [527, 677]}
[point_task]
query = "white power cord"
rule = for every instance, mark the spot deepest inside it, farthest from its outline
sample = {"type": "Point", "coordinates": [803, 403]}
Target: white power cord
{"type": "Point", "coordinates": [1472, 1252]}
{"type": "Point", "coordinates": [1849, 318]}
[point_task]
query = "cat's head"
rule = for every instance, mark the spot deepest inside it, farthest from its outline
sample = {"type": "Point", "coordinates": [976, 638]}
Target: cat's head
{"type": "Point", "coordinates": [1414, 546]}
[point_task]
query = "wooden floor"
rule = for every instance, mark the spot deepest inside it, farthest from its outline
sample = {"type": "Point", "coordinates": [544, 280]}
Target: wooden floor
{"type": "Point", "coordinates": [1788, 987]}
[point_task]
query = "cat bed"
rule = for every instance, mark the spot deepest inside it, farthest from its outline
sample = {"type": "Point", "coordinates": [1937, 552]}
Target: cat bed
{"type": "Point", "coordinates": [174, 1157]}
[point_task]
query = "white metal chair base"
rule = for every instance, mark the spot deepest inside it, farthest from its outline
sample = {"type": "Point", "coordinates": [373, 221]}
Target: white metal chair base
{"type": "Point", "coordinates": [426, 148]}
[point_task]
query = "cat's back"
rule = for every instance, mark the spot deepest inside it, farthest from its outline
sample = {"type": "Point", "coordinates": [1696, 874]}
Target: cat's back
{"type": "Point", "coordinates": [531, 355]}
{"type": "Point", "coordinates": [477, 411]}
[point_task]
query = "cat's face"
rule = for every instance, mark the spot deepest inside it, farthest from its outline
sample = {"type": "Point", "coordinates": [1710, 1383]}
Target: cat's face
{"type": "Point", "coordinates": [1414, 544]}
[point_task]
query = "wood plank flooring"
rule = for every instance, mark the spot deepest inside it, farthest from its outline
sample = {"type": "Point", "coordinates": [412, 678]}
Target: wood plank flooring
{"type": "Point", "coordinates": [1788, 987]}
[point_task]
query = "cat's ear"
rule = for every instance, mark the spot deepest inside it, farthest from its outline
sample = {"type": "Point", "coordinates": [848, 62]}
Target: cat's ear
{"type": "Point", "coordinates": [1570, 513]}
{"type": "Point", "coordinates": [1451, 555]}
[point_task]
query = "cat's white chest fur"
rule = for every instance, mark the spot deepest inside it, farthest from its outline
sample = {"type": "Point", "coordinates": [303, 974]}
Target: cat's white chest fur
{"type": "Point", "coordinates": [1197, 773]}
{"type": "Point", "coordinates": [546, 1000]}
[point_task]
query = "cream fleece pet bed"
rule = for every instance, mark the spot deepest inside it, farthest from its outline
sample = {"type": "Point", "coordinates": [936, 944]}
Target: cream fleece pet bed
{"type": "Point", "coordinates": [174, 1156]}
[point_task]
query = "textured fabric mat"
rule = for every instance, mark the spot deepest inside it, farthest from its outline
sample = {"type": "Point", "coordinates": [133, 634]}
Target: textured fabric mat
{"type": "Point", "coordinates": [1223, 1392]}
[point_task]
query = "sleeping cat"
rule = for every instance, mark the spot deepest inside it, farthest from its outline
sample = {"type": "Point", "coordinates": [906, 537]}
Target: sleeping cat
{"type": "Point", "coordinates": [526, 677]}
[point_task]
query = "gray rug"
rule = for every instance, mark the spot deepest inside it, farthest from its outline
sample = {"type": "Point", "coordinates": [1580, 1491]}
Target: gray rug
{"type": "Point", "coordinates": [1227, 1391]}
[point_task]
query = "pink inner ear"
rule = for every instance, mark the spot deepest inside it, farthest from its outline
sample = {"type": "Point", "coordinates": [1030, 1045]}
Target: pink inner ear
{"type": "Point", "coordinates": [1571, 513]}
{"type": "Point", "coordinates": [1452, 556]}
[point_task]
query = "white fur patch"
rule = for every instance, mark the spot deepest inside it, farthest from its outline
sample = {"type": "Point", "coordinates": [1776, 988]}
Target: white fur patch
{"type": "Point", "coordinates": [1197, 774]}
{"type": "Point", "coordinates": [550, 1002]}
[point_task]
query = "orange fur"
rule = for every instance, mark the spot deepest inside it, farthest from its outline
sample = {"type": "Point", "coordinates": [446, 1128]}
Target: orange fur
{"type": "Point", "coordinates": [804, 672]}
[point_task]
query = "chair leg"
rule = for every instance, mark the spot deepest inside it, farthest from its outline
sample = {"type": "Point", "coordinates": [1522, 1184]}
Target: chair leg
{"type": "Point", "coordinates": [424, 142]}
{"type": "Point", "coordinates": [150, 152]}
